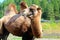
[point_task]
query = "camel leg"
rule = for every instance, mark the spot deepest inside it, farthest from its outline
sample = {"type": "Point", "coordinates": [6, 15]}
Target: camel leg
{"type": "Point", "coordinates": [28, 35]}
{"type": "Point", "coordinates": [0, 38]}
{"type": "Point", "coordinates": [5, 33]}
{"type": "Point", "coordinates": [5, 37]}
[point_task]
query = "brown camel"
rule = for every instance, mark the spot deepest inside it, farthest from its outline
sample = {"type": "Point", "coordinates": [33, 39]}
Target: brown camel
{"type": "Point", "coordinates": [21, 25]}
{"type": "Point", "coordinates": [36, 20]}
{"type": "Point", "coordinates": [35, 31]}
{"type": "Point", "coordinates": [10, 11]}
{"type": "Point", "coordinates": [14, 23]}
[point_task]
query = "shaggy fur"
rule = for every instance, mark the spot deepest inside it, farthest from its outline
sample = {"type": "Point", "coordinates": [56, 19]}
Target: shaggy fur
{"type": "Point", "coordinates": [23, 6]}
{"type": "Point", "coordinates": [20, 25]}
{"type": "Point", "coordinates": [14, 23]}
{"type": "Point", "coordinates": [10, 11]}
{"type": "Point", "coordinates": [36, 20]}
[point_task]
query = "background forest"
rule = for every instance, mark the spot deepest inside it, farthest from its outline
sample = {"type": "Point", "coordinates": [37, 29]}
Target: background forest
{"type": "Point", "coordinates": [50, 8]}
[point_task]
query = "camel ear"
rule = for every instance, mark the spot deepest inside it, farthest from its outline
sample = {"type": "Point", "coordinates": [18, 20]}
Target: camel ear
{"type": "Point", "coordinates": [23, 5]}
{"type": "Point", "coordinates": [39, 9]}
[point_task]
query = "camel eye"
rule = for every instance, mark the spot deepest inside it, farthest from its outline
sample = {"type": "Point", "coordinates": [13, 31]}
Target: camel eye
{"type": "Point", "coordinates": [38, 8]}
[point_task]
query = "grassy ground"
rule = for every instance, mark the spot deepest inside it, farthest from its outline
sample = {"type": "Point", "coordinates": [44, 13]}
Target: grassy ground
{"type": "Point", "coordinates": [51, 27]}
{"type": "Point", "coordinates": [50, 30]}
{"type": "Point", "coordinates": [12, 37]}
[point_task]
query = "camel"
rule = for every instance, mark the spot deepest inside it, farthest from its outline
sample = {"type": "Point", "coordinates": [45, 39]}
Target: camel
{"type": "Point", "coordinates": [36, 21]}
{"type": "Point", "coordinates": [19, 24]}
{"type": "Point", "coordinates": [10, 11]}
{"type": "Point", "coordinates": [35, 31]}
{"type": "Point", "coordinates": [13, 22]}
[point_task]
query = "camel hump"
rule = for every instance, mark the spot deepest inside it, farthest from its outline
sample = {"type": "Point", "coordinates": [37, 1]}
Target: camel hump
{"type": "Point", "coordinates": [23, 4]}
{"type": "Point", "coordinates": [11, 7]}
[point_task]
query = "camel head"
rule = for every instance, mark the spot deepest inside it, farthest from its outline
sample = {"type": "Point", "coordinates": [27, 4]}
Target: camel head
{"type": "Point", "coordinates": [35, 10]}
{"type": "Point", "coordinates": [36, 20]}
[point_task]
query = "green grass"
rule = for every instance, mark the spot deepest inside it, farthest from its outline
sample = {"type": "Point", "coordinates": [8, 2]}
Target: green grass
{"type": "Point", "coordinates": [51, 37]}
{"type": "Point", "coordinates": [51, 27]}
{"type": "Point", "coordinates": [12, 37]}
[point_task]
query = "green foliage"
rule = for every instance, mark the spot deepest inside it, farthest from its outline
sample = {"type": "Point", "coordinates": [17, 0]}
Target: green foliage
{"type": "Point", "coordinates": [50, 8]}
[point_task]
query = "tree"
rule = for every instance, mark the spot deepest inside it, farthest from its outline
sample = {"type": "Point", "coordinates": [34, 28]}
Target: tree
{"type": "Point", "coordinates": [50, 8]}
{"type": "Point", "coordinates": [56, 8]}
